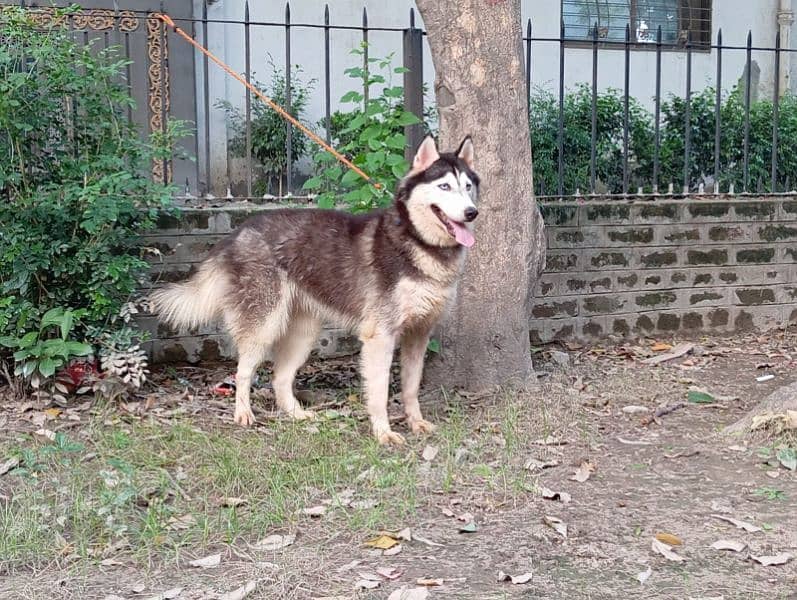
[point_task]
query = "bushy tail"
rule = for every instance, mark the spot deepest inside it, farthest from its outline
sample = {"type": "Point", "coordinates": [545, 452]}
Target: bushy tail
{"type": "Point", "coordinates": [195, 302]}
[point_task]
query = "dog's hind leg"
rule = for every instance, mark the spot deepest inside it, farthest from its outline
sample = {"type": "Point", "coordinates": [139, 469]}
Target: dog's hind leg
{"type": "Point", "coordinates": [250, 354]}
{"type": "Point", "coordinates": [413, 349]}
{"type": "Point", "coordinates": [290, 353]}
{"type": "Point", "coordinates": [377, 354]}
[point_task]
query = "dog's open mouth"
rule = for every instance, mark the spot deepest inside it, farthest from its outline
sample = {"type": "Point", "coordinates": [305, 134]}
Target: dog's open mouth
{"type": "Point", "coordinates": [456, 230]}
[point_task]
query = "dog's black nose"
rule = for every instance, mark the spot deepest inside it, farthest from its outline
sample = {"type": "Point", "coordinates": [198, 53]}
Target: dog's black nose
{"type": "Point", "coordinates": [471, 213]}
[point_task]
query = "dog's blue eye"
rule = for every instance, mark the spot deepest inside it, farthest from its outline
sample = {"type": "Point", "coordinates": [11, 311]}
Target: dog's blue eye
{"type": "Point", "coordinates": [445, 187]}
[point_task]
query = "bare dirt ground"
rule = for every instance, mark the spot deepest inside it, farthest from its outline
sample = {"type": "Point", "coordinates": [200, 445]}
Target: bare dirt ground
{"type": "Point", "coordinates": [473, 494]}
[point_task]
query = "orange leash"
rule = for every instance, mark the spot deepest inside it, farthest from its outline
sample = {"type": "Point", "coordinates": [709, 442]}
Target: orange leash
{"type": "Point", "coordinates": [281, 111]}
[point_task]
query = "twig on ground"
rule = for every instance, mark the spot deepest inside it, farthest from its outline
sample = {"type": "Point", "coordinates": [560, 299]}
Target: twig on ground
{"type": "Point", "coordinates": [664, 410]}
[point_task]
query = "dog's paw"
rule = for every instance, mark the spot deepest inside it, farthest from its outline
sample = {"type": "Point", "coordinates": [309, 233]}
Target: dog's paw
{"type": "Point", "coordinates": [390, 437]}
{"type": "Point", "coordinates": [244, 417]}
{"type": "Point", "coordinates": [422, 426]}
{"type": "Point", "coordinates": [299, 414]}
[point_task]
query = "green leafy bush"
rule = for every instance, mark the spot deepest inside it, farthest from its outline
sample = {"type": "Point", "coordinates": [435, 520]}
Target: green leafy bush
{"type": "Point", "coordinates": [268, 130]}
{"type": "Point", "coordinates": [75, 192]}
{"type": "Point", "coordinates": [609, 153]}
{"type": "Point", "coordinates": [371, 135]}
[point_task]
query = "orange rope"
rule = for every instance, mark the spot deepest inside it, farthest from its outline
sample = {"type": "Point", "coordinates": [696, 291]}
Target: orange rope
{"type": "Point", "coordinates": [281, 111]}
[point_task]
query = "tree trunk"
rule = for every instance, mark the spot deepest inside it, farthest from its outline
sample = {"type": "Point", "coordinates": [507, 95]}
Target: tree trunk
{"type": "Point", "coordinates": [477, 51]}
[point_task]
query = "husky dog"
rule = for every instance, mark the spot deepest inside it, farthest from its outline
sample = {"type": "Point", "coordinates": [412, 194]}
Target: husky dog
{"type": "Point", "coordinates": [388, 275]}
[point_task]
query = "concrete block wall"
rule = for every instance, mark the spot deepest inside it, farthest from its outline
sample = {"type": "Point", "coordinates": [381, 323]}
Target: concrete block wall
{"type": "Point", "coordinates": [626, 268]}
{"type": "Point", "coordinates": [658, 267]}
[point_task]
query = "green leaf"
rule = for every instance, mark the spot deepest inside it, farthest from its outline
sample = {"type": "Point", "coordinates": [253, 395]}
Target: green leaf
{"type": "Point", "coordinates": [788, 458]}
{"type": "Point", "coordinates": [398, 171]}
{"type": "Point", "coordinates": [375, 143]}
{"type": "Point", "coordinates": [326, 200]}
{"type": "Point", "coordinates": [47, 367]}
{"type": "Point", "coordinates": [352, 96]}
{"type": "Point", "coordinates": [372, 131]}
{"type": "Point", "coordinates": [78, 349]}
{"type": "Point", "coordinates": [433, 346]}
{"type": "Point", "coordinates": [396, 141]}
{"type": "Point", "coordinates": [350, 178]}
{"type": "Point", "coordinates": [698, 397]}
{"type": "Point", "coordinates": [313, 183]}
{"type": "Point", "coordinates": [9, 341]}
{"type": "Point", "coordinates": [28, 339]}
{"type": "Point", "coordinates": [407, 118]}
{"type": "Point", "coordinates": [396, 159]}
{"type": "Point", "coordinates": [66, 324]}
{"type": "Point", "coordinates": [468, 528]}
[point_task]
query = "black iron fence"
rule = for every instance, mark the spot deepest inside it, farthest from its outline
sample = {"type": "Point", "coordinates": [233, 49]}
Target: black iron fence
{"type": "Point", "coordinates": [729, 135]}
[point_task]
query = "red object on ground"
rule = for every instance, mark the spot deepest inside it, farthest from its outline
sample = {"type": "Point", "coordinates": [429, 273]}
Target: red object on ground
{"type": "Point", "coordinates": [74, 375]}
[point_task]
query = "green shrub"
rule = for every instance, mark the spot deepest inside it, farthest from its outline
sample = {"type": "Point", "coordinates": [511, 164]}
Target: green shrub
{"type": "Point", "coordinates": [609, 153]}
{"type": "Point", "coordinates": [371, 136]}
{"type": "Point", "coordinates": [75, 193]}
{"type": "Point", "coordinates": [268, 130]}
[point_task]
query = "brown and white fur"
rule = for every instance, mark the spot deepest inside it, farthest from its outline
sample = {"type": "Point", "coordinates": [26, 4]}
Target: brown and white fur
{"type": "Point", "coordinates": [387, 274]}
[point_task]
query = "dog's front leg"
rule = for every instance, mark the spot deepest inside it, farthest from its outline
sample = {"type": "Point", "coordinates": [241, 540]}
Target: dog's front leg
{"type": "Point", "coordinates": [413, 350]}
{"type": "Point", "coordinates": [377, 354]}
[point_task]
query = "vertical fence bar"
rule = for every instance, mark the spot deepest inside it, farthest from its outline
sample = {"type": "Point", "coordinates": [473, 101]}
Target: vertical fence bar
{"type": "Point", "coordinates": [196, 114]}
{"type": "Point", "coordinates": [594, 131]}
{"type": "Point", "coordinates": [327, 79]}
{"type": "Point", "coordinates": [206, 94]}
{"type": "Point", "coordinates": [718, 116]}
{"type": "Point", "coordinates": [626, 83]}
{"type": "Point", "coordinates": [688, 112]}
{"type": "Point", "coordinates": [248, 68]}
{"type": "Point", "coordinates": [528, 69]}
{"type": "Point", "coordinates": [413, 84]}
{"type": "Point", "coordinates": [775, 116]}
{"type": "Point", "coordinates": [365, 59]}
{"type": "Point", "coordinates": [560, 134]}
{"type": "Point", "coordinates": [657, 116]}
{"type": "Point", "coordinates": [747, 92]}
{"type": "Point", "coordinates": [288, 126]}
{"type": "Point", "coordinates": [128, 75]}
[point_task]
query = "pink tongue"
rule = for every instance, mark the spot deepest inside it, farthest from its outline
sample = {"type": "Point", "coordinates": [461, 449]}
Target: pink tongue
{"type": "Point", "coordinates": [462, 234]}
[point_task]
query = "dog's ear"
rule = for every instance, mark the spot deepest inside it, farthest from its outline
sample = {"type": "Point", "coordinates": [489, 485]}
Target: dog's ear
{"type": "Point", "coordinates": [427, 154]}
{"type": "Point", "coordinates": [465, 151]}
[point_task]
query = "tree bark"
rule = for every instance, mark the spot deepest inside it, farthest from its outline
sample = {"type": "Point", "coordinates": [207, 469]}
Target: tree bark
{"type": "Point", "coordinates": [477, 50]}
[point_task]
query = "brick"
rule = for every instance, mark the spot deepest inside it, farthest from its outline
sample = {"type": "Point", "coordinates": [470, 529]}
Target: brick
{"type": "Point", "coordinates": [605, 213]}
{"type": "Point", "coordinates": [575, 285]}
{"type": "Point", "coordinates": [666, 212]}
{"type": "Point", "coordinates": [644, 324]}
{"type": "Point", "coordinates": [790, 254]}
{"type": "Point", "coordinates": [551, 310]}
{"type": "Point", "coordinates": [621, 327]}
{"type": "Point", "coordinates": [628, 280]}
{"type": "Point", "coordinates": [756, 211]}
{"type": "Point", "coordinates": [678, 277]}
{"type": "Point", "coordinates": [725, 233]}
{"type": "Point", "coordinates": [773, 233]}
{"type": "Point", "coordinates": [729, 277]}
{"type": "Point", "coordinates": [592, 329]}
{"type": "Point", "coordinates": [188, 222]}
{"type": "Point", "coordinates": [709, 257]}
{"type": "Point", "coordinates": [605, 283]}
{"type": "Point", "coordinates": [602, 304]}
{"type": "Point", "coordinates": [559, 214]}
{"type": "Point", "coordinates": [668, 322]}
{"type": "Point", "coordinates": [546, 287]}
{"type": "Point", "coordinates": [743, 321]}
{"type": "Point", "coordinates": [709, 209]}
{"type": "Point", "coordinates": [653, 280]}
{"type": "Point", "coordinates": [703, 279]}
{"type": "Point", "coordinates": [659, 259]}
{"type": "Point", "coordinates": [705, 297]}
{"type": "Point", "coordinates": [655, 299]}
{"type": "Point", "coordinates": [687, 235]}
{"type": "Point", "coordinates": [755, 296]}
{"type": "Point", "coordinates": [606, 259]}
{"type": "Point", "coordinates": [558, 262]}
{"type": "Point", "coordinates": [755, 256]}
{"type": "Point", "coordinates": [692, 321]}
{"type": "Point", "coordinates": [790, 207]}
{"type": "Point", "coordinates": [642, 235]}
{"type": "Point", "coordinates": [568, 237]}
{"type": "Point", "coordinates": [719, 317]}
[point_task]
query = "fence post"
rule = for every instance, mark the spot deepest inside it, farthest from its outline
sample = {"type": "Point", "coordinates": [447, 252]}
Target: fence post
{"type": "Point", "coordinates": [413, 84]}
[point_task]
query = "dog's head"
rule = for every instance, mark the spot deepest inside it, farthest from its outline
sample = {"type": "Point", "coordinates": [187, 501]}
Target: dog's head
{"type": "Point", "coordinates": [440, 194]}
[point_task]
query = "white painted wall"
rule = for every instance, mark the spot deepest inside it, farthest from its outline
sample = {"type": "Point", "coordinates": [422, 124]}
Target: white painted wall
{"type": "Point", "coordinates": [734, 17]}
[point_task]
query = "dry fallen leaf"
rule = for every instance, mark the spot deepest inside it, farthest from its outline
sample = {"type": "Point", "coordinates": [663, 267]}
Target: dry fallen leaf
{"type": "Point", "coordinates": [430, 582]}
{"type": "Point", "coordinates": [168, 594]}
{"type": "Point", "coordinates": [556, 524]}
{"type": "Point", "coordinates": [534, 464]}
{"type": "Point", "coordinates": [729, 545]}
{"type": "Point", "coordinates": [661, 347]}
{"type": "Point", "coordinates": [429, 453]}
{"type": "Point", "coordinates": [644, 575]}
{"type": "Point", "coordinates": [183, 522]}
{"type": "Point", "coordinates": [348, 566]}
{"type": "Point", "coordinates": [232, 502]}
{"type": "Point", "coordinates": [666, 551]}
{"type": "Point", "coordinates": [769, 561]}
{"type": "Point", "coordinates": [240, 593]}
{"type": "Point", "coordinates": [392, 551]}
{"type": "Point", "coordinates": [676, 352]}
{"type": "Point", "coordinates": [367, 584]}
{"type": "Point", "coordinates": [549, 494]}
{"type": "Point", "coordinates": [111, 562]}
{"type": "Point", "coordinates": [366, 504]}
{"type": "Point", "coordinates": [405, 593]}
{"type": "Point", "coordinates": [669, 539]}
{"type": "Point", "coordinates": [50, 435]}
{"type": "Point", "coordinates": [549, 441]}
{"type": "Point", "coordinates": [209, 561]}
{"type": "Point", "coordinates": [11, 463]}
{"type": "Point", "coordinates": [389, 572]}
{"type": "Point", "coordinates": [447, 512]}
{"type": "Point", "coordinates": [423, 540]}
{"type": "Point", "coordinates": [738, 524]}
{"type": "Point", "coordinates": [405, 534]}
{"type": "Point", "coordinates": [583, 472]}
{"type": "Point", "coordinates": [516, 579]}
{"type": "Point", "coordinates": [314, 511]}
{"type": "Point", "coordinates": [382, 542]}
{"type": "Point", "coordinates": [274, 542]}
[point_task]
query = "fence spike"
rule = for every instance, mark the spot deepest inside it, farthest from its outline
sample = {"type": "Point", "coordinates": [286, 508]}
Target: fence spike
{"type": "Point", "coordinates": [412, 18]}
{"type": "Point", "coordinates": [287, 12]}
